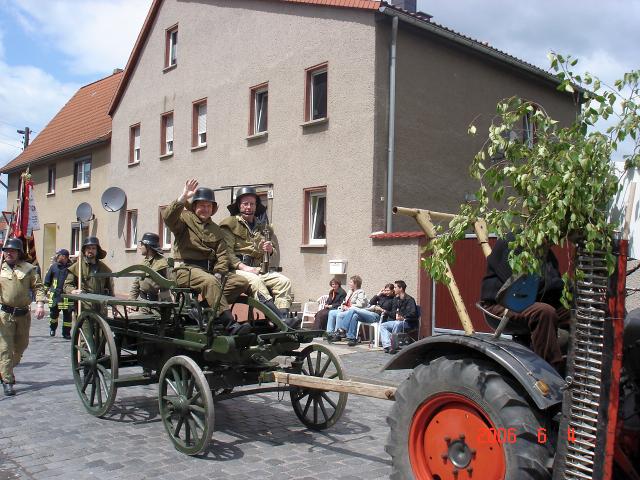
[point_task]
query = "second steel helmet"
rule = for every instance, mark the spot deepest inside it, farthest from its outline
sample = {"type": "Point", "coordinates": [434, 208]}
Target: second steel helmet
{"type": "Point", "coordinates": [234, 208]}
{"type": "Point", "coordinates": [204, 194]}
{"type": "Point", "coordinates": [94, 241]}
{"type": "Point", "coordinates": [151, 240]}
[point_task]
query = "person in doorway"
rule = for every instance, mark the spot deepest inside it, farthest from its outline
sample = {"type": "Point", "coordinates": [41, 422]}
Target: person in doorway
{"type": "Point", "coordinates": [248, 246]}
{"type": "Point", "coordinates": [17, 280]}
{"type": "Point", "coordinates": [404, 315]}
{"type": "Point", "coordinates": [54, 283]}
{"type": "Point", "coordinates": [336, 297]}
{"type": "Point", "coordinates": [200, 252]}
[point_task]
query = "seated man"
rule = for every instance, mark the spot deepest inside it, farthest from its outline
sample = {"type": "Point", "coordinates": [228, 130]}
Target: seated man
{"type": "Point", "coordinates": [247, 247]}
{"type": "Point", "coordinates": [200, 251]}
{"type": "Point", "coordinates": [154, 259]}
{"type": "Point", "coordinates": [405, 313]}
{"type": "Point", "coordinates": [380, 306]}
{"type": "Point", "coordinates": [544, 316]}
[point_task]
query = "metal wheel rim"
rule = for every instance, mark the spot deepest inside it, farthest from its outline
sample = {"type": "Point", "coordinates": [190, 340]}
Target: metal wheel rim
{"type": "Point", "coordinates": [447, 425]}
{"type": "Point", "coordinates": [94, 362]}
{"type": "Point", "coordinates": [186, 405]}
{"type": "Point", "coordinates": [318, 409]}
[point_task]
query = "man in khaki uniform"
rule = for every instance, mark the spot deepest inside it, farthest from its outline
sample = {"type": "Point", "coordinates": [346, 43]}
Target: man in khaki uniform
{"type": "Point", "coordinates": [17, 280]}
{"type": "Point", "coordinates": [247, 247]}
{"type": "Point", "coordinates": [153, 258]}
{"type": "Point", "coordinates": [91, 258]}
{"type": "Point", "coordinates": [199, 249]}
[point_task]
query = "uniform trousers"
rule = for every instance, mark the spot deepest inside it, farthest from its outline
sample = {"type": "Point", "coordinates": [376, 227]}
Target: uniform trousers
{"type": "Point", "coordinates": [543, 321]}
{"type": "Point", "coordinates": [14, 339]}
{"type": "Point", "coordinates": [272, 286]}
{"type": "Point", "coordinates": [54, 313]}
{"type": "Point", "coordinates": [209, 286]}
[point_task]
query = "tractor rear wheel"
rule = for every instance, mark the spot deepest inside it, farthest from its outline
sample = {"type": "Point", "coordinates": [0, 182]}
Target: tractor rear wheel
{"type": "Point", "coordinates": [458, 419]}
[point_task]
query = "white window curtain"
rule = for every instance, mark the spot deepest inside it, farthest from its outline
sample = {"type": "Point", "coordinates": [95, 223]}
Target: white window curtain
{"type": "Point", "coordinates": [202, 118]}
{"type": "Point", "coordinates": [169, 129]}
{"type": "Point", "coordinates": [136, 143]}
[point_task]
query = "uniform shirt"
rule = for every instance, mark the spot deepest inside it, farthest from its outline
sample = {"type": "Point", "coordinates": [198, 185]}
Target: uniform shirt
{"type": "Point", "coordinates": [242, 239]}
{"type": "Point", "coordinates": [17, 283]}
{"type": "Point", "coordinates": [196, 239]}
{"type": "Point", "coordinates": [54, 282]}
{"type": "Point", "coordinates": [158, 264]}
{"type": "Point", "coordinates": [90, 284]}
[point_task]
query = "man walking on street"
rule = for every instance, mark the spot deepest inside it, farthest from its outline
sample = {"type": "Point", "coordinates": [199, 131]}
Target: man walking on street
{"type": "Point", "coordinates": [17, 280]}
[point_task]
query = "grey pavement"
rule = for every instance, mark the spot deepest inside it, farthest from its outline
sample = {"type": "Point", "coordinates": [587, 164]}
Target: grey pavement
{"type": "Point", "coordinates": [45, 432]}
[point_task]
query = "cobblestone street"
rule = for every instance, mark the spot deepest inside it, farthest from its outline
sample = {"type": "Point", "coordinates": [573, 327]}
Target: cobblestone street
{"type": "Point", "coordinates": [45, 431]}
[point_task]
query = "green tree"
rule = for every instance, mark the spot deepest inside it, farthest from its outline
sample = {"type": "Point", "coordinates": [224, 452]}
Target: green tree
{"type": "Point", "coordinates": [546, 181]}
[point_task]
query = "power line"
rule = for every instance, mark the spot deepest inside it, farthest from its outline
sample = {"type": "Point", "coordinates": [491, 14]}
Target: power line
{"type": "Point", "coordinates": [10, 124]}
{"type": "Point", "coordinates": [11, 145]}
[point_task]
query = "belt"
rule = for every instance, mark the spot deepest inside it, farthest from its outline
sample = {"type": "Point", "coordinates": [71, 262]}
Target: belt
{"type": "Point", "coordinates": [204, 264]}
{"type": "Point", "coordinates": [17, 311]}
{"type": "Point", "coordinates": [247, 260]}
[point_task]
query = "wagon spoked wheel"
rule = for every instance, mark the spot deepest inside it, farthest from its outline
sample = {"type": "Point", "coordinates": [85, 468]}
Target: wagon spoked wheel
{"type": "Point", "coordinates": [94, 361]}
{"type": "Point", "coordinates": [186, 405]}
{"type": "Point", "coordinates": [319, 409]}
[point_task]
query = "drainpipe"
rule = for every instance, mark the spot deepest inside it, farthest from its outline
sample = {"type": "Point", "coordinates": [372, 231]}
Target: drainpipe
{"type": "Point", "coordinates": [392, 124]}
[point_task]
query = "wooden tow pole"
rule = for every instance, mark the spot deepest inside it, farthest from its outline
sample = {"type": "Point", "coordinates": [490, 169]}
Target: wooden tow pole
{"type": "Point", "coordinates": [423, 218]}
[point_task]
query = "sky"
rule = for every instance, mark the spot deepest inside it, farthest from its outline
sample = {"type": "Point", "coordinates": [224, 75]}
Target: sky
{"type": "Point", "coordinates": [50, 48]}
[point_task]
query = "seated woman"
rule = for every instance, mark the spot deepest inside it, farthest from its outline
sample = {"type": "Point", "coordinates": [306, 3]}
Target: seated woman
{"type": "Point", "coordinates": [336, 297]}
{"type": "Point", "coordinates": [380, 306]}
{"type": "Point", "coordinates": [355, 298]}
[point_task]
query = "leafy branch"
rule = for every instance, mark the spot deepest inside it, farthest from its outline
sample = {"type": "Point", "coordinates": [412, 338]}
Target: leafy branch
{"type": "Point", "coordinates": [546, 181]}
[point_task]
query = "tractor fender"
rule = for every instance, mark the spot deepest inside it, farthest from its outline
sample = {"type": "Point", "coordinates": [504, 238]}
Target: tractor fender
{"type": "Point", "coordinates": [522, 364]}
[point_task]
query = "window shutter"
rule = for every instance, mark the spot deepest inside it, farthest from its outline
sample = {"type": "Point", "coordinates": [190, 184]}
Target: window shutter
{"type": "Point", "coordinates": [202, 118]}
{"type": "Point", "coordinates": [169, 129]}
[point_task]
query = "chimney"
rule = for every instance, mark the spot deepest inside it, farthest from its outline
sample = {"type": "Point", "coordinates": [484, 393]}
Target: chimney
{"type": "Point", "coordinates": [116, 70]}
{"type": "Point", "coordinates": [408, 5]}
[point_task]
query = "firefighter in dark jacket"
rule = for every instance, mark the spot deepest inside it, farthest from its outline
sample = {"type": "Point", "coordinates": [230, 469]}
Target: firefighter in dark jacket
{"type": "Point", "coordinates": [545, 315]}
{"type": "Point", "coordinates": [54, 283]}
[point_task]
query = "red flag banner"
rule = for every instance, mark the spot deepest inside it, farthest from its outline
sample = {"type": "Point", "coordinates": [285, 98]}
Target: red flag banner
{"type": "Point", "coordinates": [20, 227]}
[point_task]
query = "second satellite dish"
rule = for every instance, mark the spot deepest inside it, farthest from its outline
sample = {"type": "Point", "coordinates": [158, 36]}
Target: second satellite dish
{"type": "Point", "coordinates": [113, 199]}
{"type": "Point", "coordinates": [84, 213]}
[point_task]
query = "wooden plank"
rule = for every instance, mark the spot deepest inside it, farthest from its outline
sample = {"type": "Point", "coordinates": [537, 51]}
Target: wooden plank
{"type": "Point", "coordinates": [333, 385]}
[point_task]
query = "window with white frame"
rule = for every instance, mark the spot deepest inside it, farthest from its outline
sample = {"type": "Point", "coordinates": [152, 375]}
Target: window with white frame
{"type": "Point", "coordinates": [259, 109]}
{"type": "Point", "coordinates": [77, 236]}
{"type": "Point", "coordinates": [131, 225]}
{"type": "Point", "coordinates": [529, 126]}
{"type": "Point", "coordinates": [82, 173]}
{"type": "Point", "coordinates": [315, 228]}
{"type": "Point", "coordinates": [316, 93]}
{"type": "Point", "coordinates": [51, 180]}
{"type": "Point", "coordinates": [163, 230]}
{"type": "Point", "coordinates": [171, 47]}
{"type": "Point", "coordinates": [134, 142]}
{"type": "Point", "coordinates": [199, 124]}
{"type": "Point", "coordinates": [167, 133]}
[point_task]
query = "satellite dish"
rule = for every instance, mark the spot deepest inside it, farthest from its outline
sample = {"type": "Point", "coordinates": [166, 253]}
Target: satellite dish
{"type": "Point", "coordinates": [84, 212]}
{"type": "Point", "coordinates": [113, 199]}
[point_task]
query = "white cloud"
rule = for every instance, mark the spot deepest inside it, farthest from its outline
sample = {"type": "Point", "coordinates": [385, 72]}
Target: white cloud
{"type": "Point", "coordinates": [95, 36]}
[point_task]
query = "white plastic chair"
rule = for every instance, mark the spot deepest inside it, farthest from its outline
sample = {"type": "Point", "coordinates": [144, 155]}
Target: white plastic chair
{"type": "Point", "coordinates": [376, 330]}
{"type": "Point", "coordinates": [310, 309]}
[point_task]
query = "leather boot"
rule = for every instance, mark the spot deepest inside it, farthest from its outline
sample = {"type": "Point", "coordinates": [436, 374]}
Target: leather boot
{"type": "Point", "coordinates": [270, 305]}
{"type": "Point", "coordinates": [8, 389]}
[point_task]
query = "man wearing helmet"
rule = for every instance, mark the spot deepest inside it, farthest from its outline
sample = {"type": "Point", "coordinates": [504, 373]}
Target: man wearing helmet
{"type": "Point", "coordinates": [17, 280]}
{"type": "Point", "coordinates": [54, 283]}
{"type": "Point", "coordinates": [200, 251]}
{"type": "Point", "coordinates": [91, 257]}
{"type": "Point", "coordinates": [247, 246]}
{"type": "Point", "coordinates": [153, 258]}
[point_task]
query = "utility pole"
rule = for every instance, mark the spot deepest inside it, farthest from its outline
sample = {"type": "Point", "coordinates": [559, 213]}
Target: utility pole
{"type": "Point", "coordinates": [26, 133]}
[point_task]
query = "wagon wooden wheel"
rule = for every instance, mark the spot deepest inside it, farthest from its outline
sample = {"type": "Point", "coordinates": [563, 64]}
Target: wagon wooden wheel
{"type": "Point", "coordinates": [186, 405]}
{"type": "Point", "coordinates": [319, 409]}
{"type": "Point", "coordinates": [94, 360]}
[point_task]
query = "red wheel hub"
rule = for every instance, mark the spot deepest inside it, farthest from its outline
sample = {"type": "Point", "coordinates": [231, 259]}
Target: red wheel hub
{"type": "Point", "coordinates": [451, 438]}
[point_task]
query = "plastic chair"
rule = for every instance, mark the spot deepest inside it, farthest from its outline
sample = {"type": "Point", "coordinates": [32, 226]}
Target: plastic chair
{"type": "Point", "coordinates": [376, 329]}
{"type": "Point", "coordinates": [310, 309]}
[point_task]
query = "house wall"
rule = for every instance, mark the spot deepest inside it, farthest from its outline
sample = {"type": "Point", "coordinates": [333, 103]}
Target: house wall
{"type": "Point", "coordinates": [441, 90]}
{"type": "Point", "coordinates": [60, 208]}
{"type": "Point", "coordinates": [224, 48]}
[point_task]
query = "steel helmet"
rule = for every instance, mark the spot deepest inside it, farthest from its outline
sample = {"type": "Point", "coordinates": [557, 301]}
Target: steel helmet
{"type": "Point", "coordinates": [94, 241]}
{"type": "Point", "coordinates": [234, 208]}
{"type": "Point", "coordinates": [151, 240]}
{"type": "Point", "coordinates": [14, 244]}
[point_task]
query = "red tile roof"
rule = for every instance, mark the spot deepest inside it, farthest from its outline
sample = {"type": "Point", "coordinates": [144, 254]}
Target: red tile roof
{"type": "Point", "coordinates": [83, 120]}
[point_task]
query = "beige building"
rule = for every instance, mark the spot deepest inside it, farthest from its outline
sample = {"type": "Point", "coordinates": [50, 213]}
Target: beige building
{"type": "Point", "coordinates": [297, 94]}
{"type": "Point", "coordinates": [69, 164]}
{"type": "Point", "coordinates": [307, 97]}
